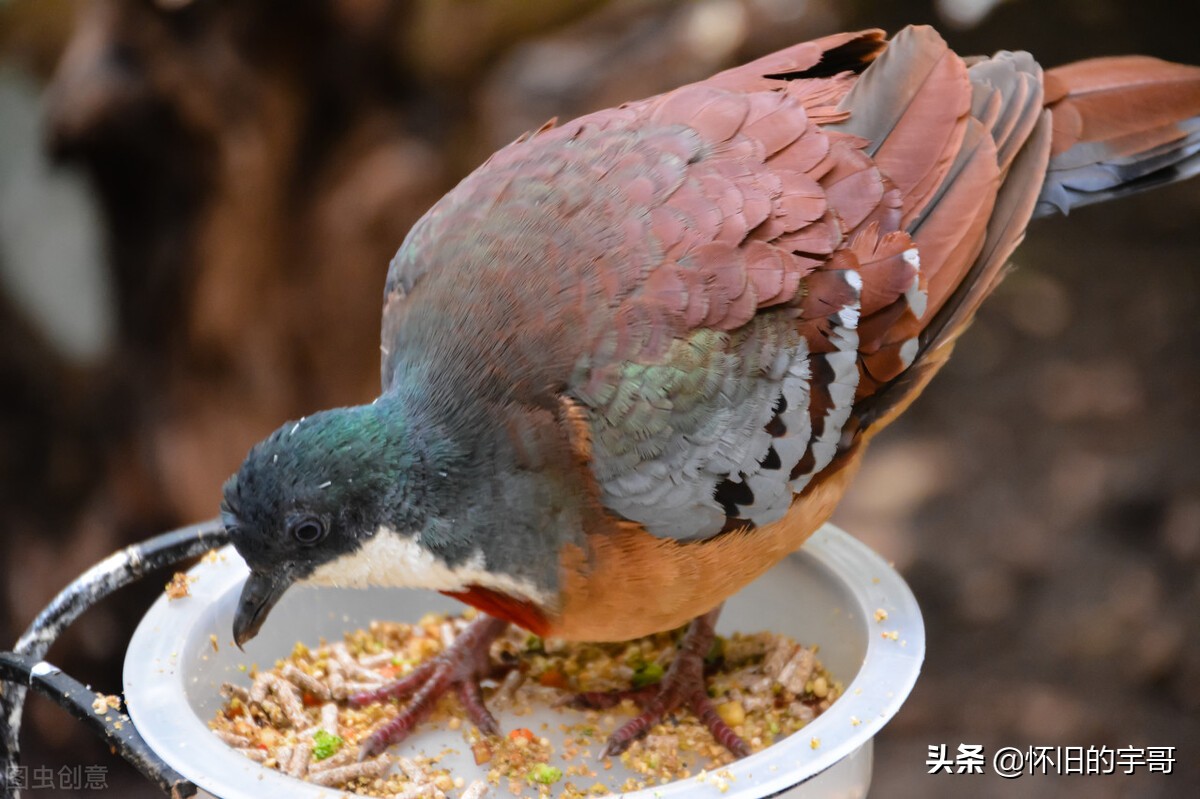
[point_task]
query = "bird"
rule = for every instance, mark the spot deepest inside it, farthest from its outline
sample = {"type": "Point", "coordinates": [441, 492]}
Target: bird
{"type": "Point", "coordinates": [634, 360]}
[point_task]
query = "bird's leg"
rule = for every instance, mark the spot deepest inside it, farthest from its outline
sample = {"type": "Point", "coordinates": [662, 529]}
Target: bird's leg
{"type": "Point", "coordinates": [683, 684]}
{"type": "Point", "coordinates": [460, 667]}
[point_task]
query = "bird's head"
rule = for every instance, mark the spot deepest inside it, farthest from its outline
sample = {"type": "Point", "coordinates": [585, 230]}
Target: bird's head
{"type": "Point", "coordinates": [309, 494]}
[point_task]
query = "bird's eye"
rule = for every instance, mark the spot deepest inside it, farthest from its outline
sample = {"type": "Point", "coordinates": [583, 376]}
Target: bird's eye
{"type": "Point", "coordinates": [308, 530]}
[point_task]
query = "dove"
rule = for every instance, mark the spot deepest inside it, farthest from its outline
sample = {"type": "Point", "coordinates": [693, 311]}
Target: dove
{"type": "Point", "coordinates": [634, 360]}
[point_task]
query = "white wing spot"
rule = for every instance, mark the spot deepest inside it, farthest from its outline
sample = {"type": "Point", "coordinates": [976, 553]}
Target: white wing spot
{"type": "Point", "coordinates": [855, 279]}
{"type": "Point", "coordinates": [917, 299]}
{"type": "Point", "coordinates": [912, 257]}
{"type": "Point", "coordinates": [908, 351]}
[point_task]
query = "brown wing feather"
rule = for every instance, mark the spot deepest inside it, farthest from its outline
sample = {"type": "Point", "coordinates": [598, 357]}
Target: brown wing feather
{"type": "Point", "coordinates": [973, 220]}
{"type": "Point", "coordinates": [911, 107]}
{"type": "Point", "coordinates": [963, 233]}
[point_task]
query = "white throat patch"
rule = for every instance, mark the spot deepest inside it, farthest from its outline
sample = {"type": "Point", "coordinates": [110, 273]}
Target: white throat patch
{"type": "Point", "coordinates": [392, 560]}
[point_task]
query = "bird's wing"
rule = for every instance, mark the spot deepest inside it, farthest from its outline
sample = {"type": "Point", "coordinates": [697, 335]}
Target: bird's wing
{"type": "Point", "coordinates": [731, 280]}
{"type": "Point", "coordinates": [822, 268]}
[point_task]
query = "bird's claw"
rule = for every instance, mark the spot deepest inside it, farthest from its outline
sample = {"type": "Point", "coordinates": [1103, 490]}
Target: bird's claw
{"type": "Point", "coordinates": [460, 667]}
{"type": "Point", "coordinates": [656, 703]}
{"type": "Point", "coordinates": [682, 685]}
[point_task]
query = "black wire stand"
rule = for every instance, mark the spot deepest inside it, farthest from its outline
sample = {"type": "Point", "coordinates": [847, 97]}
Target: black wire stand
{"type": "Point", "coordinates": [24, 667]}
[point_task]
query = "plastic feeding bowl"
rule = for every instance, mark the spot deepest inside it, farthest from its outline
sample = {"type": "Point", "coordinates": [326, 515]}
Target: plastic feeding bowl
{"type": "Point", "coordinates": [828, 593]}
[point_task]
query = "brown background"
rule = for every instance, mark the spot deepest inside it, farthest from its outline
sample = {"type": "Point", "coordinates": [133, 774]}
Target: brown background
{"type": "Point", "coordinates": [254, 164]}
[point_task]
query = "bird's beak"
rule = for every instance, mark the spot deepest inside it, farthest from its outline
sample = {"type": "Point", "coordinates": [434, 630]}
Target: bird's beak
{"type": "Point", "coordinates": [259, 595]}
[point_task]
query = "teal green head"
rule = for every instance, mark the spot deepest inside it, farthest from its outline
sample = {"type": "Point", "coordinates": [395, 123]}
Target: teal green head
{"type": "Point", "coordinates": [312, 492]}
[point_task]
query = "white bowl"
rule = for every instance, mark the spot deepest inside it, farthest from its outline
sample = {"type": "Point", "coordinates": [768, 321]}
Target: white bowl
{"type": "Point", "coordinates": [827, 593]}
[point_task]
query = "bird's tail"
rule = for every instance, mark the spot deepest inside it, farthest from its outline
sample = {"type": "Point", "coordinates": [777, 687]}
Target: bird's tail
{"type": "Point", "coordinates": [1121, 125]}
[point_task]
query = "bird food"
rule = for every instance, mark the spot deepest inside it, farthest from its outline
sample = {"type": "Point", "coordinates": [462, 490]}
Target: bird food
{"type": "Point", "coordinates": [296, 717]}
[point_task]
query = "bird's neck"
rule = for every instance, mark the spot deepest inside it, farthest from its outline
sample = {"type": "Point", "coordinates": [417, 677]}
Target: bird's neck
{"type": "Point", "coordinates": [440, 451]}
{"type": "Point", "coordinates": [494, 487]}
{"type": "Point", "coordinates": [446, 503]}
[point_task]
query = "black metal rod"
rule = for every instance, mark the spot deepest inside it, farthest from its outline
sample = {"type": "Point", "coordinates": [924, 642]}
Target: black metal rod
{"type": "Point", "coordinates": [110, 724]}
{"type": "Point", "coordinates": [119, 569]}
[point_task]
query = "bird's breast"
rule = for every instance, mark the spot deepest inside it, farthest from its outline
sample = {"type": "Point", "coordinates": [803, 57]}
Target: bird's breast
{"type": "Point", "coordinates": [632, 583]}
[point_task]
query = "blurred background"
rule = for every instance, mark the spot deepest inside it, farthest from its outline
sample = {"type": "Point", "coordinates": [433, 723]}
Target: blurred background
{"type": "Point", "coordinates": [198, 201]}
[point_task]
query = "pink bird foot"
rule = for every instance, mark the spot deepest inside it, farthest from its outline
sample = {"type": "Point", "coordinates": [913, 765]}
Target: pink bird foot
{"type": "Point", "coordinates": [683, 684]}
{"type": "Point", "coordinates": [459, 667]}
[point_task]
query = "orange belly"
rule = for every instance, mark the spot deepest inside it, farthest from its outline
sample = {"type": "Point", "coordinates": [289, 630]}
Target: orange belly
{"type": "Point", "coordinates": [632, 583]}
